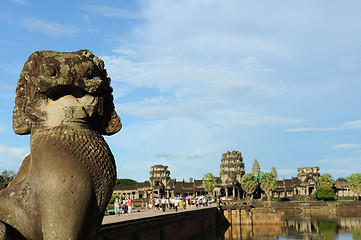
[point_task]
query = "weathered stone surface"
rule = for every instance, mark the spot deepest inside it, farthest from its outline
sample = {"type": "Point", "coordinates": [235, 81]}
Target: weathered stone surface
{"type": "Point", "coordinates": [62, 188]}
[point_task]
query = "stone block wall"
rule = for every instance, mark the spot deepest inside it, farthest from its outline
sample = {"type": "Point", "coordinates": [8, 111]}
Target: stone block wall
{"type": "Point", "coordinates": [177, 226]}
{"type": "Point", "coordinates": [254, 216]}
{"type": "Point", "coordinates": [267, 216]}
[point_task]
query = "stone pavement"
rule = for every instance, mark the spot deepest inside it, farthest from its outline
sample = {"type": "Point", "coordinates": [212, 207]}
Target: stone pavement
{"type": "Point", "coordinates": [144, 213]}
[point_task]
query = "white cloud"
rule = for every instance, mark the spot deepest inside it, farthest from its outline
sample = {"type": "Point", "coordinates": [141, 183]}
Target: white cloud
{"type": "Point", "coordinates": [111, 12]}
{"type": "Point", "coordinates": [13, 153]}
{"type": "Point", "coordinates": [22, 2]}
{"type": "Point", "coordinates": [206, 73]}
{"type": "Point", "coordinates": [311, 129]}
{"type": "Point", "coordinates": [12, 157]}
{"type": "Point", "coordinates": [338, 172]}
{"type": "Point", "coordinates": [191, 78]}
{"type": "Point", "coordinates": [349, 125]}
{"type": "Point", "coordinates": [287, 172]}
{"type": "Point", "coordinates": [47, 27]}
{"type": "Point", "coordinates": [351, 62]}
{"type": "Point", "coordinates": [267, 120]}
{"type": "Point", "coordinates": [252, 64]}
{"type": "Point", "coordinates": [340, 166]}
{"type": "Point", "coordinates": [198, 54]}
{"type": "Point", "coordinates": [207, 111]}
{"type": "Point", "coordinates": [165, 156]}
{"type": "Point", "coordinates": [346, 146]}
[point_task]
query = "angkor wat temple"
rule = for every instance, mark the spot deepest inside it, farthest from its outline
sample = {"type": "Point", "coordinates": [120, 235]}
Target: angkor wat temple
{"type": "Point", "coordinates": [228, 184]}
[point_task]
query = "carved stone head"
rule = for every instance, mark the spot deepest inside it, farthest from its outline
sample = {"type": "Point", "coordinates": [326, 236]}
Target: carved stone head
{"type": "Point", "coordinates": [64, 89]}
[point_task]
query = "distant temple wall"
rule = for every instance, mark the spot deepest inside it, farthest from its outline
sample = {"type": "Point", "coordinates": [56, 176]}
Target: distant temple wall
{"type": "Point", "coordinates": [228, 184]}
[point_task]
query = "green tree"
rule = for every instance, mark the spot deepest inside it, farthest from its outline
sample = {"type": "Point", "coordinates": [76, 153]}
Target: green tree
{"type": "Point", "coordinates": [249, 183]}
{"type": "Point", "coordinates": [191, 179]}
{"type": "Point", "coordinates": [326, 180]}
{"type": "Point", "coordinates": [111, 201]}
{"type": "Point", "coordinates": [341, 179]}
{"type": "Point", "coordinates": [7, 176]}
{"type": "Point", "coordinates": [324, 192]}
{"type": "Point", "coordinates": [267, 183]}
{"type": "Point", "coordinates": [354, 183]}
{"type": "Point", "coordinates": [125, 182]}
{"type": "Point", "coordinates": [209, 182]}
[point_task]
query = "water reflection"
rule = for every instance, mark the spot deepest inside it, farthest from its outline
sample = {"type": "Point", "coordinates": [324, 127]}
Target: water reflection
{"type": "Point", "coordinates": [300, 228]}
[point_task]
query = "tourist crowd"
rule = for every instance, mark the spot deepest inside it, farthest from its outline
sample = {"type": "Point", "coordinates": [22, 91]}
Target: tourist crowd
{"type": "Point", "coordinates": [124, 206]}
{"type": "Point", "coordinates": [176, 203]}
{"type": "Point", "coordinates": [162, 203]}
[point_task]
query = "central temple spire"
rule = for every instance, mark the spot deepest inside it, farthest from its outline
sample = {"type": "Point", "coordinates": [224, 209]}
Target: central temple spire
{"type": "Point", "coordinates": [255, 168]}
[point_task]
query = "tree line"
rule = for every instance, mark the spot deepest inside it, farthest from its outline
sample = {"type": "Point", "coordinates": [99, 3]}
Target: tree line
{"type": "Point", "coordinates": [326, 190]}
{"type": "Point", "coordinates": [250, 183]}
{"type": "Point", "coordinates": [267, 182]}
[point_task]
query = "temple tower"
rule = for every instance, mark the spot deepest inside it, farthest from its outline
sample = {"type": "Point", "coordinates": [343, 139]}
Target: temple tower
{"type": "Point", "coordinates": [159, 176]}
{"type": "Point", "coordinates": [232, 166]}
{"type": "Point", "coordinates": [256, 168]}
{"type": "Point", "coordinates": [232, 171]}
{"type": "Point", "coordinates": [274, 172]}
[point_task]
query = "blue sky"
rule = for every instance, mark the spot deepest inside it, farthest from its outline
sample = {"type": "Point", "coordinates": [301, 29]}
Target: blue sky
{"type": "Point", "coordinates": [276, 80]}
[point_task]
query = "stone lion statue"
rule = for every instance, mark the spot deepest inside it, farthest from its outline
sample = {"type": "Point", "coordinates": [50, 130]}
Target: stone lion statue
{"type": "Point", "coordinates": [64, 100]}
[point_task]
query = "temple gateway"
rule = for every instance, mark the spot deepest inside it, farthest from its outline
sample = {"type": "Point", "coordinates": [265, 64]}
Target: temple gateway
{"type": "Point", "coordinates": [228, 184]}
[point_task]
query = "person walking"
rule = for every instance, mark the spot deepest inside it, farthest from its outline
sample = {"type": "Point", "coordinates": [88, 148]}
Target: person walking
{"type": "Point", "coordinates": [150, 204]}
{"type": "Point", "coordinates": [130, 205]}
{"type": "Point", "coordinates": [156, 204]}
{"type": "Point", "coordinates": [170, 203]}
{"type": "Point", "coordinates": [173, 200]}
{"type": "Point", "coordinates": [176, 203]}
{"type": "Point", "coordinates": [116, 206]}
{"type": "Point", "coordinates": [125, 204]}
{"type": "Point", "coordinates": [181, 204]}
{"type": "Point", "coordinates": [164, 203]}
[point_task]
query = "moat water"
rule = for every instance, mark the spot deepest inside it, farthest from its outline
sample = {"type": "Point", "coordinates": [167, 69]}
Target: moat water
{"type": "Point", "coordinates": [312, 228]}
